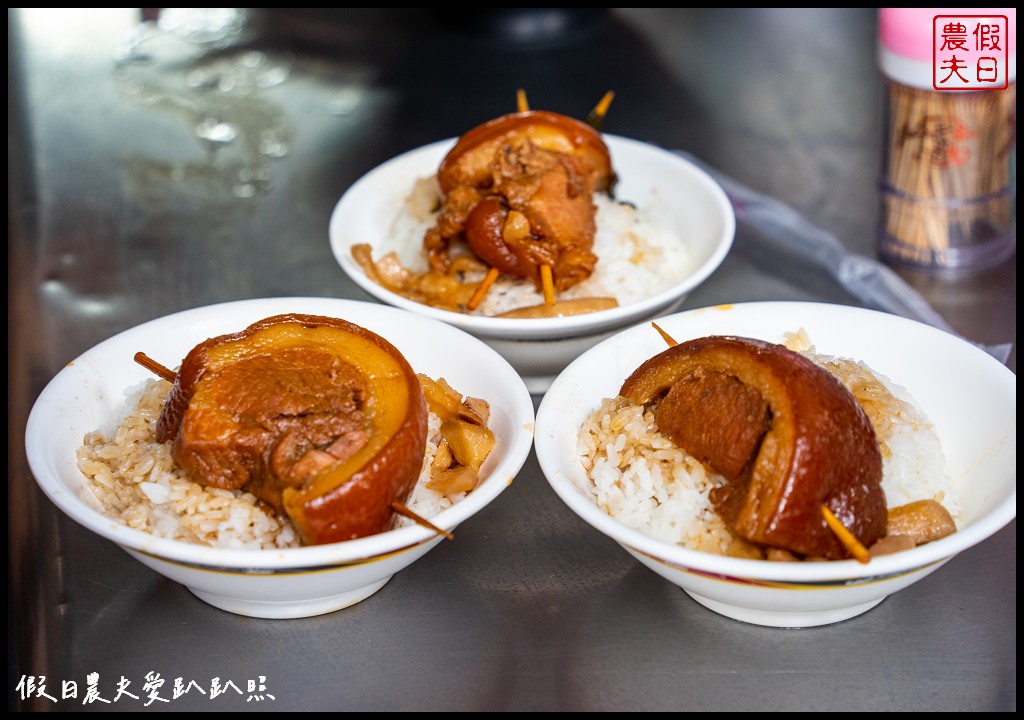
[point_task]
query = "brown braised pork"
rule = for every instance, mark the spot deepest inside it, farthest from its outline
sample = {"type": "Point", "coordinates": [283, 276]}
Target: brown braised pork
{"type": "Point", "coordinates": [320, 418]}
{"type": "Point", "coordinates": [787, 436]}
{"type": "Point", "coordinates": [519, 190]}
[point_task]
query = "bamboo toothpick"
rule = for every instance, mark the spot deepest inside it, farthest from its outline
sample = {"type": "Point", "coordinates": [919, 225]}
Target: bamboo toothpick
{"type": "Point", "coordinates": [548, 284]}
{"type": "Point", "coordinates": [844, 536]}
{"type": "Point", "coordinates": [154, 367]}
{"type": "Point", "coordinates": [521, 104]}
{"type": "Point", "coordinates": [596, 117]}
{"type": "Point", "coordinates": [665, 336]}
{"type": "Point", "coordinates": [482, 288]}
{"type": "Point", "coordinates": [403, 510]}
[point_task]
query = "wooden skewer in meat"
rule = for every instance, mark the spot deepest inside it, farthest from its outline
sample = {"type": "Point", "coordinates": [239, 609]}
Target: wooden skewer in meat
{"type": "Point", "coordinates": [401, 509]}
{"type": "Point", "coordinates": [522, 104]}
{"type": "Point", "coordinates": [847, 538]}
{"type": "Point", "coordinates": [596, 117]}
{"type": "Point", "coordinates": [154, 367]}
{"type": "Point", "coordinates": [671, 341]}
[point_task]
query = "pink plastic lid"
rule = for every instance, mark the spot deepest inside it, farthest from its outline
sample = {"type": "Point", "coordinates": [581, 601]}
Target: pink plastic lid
{"type": "Point", "coordinates": [906, 40]}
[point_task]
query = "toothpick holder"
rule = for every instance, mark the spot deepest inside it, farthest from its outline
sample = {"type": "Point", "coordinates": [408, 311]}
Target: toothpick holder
{"type": "Point", "coordinates": [948, 182]}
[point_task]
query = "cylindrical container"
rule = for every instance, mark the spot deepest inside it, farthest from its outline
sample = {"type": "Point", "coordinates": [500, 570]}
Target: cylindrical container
{"type": "Point", "coordinates": [948, 184]}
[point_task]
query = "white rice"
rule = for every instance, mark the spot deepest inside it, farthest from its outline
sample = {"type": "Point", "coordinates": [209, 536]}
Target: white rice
{"type": "Point", "coordinates": [133, 479]}
{"type": "Point", "coordinates": [637, 258]}
{"type": "Point", "coordinates": [645, 481]}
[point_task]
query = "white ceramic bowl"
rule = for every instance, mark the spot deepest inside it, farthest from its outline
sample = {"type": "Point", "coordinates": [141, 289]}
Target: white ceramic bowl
{"type": "Point", "coordinates": [672, 190]}
{"type": "Point", "coordinates": [970, 398]}
{"type": "Point", "coordinates": [90, 393]}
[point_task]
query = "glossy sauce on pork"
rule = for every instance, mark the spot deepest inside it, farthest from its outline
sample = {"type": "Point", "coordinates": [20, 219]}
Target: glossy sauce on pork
{"type": "Point", "coordinates": [787, 436]}
{"type": "Point", "coordinates": [321, 419]}
{"type": "Point", "coordinates": [519, 191]}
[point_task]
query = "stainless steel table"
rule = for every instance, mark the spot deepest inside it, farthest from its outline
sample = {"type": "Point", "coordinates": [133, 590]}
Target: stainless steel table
{"type": "Point", "coordinates": [153, 169]}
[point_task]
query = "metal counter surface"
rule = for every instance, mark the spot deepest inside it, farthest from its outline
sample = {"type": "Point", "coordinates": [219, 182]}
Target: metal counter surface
{"type": "Point", "coordinates": [155, 171]}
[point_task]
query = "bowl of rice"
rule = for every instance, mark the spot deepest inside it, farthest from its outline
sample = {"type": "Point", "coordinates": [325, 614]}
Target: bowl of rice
{"type": "Point", "coordinates": [664, 230]}
{"type": "Point", "coordinates": [91, 446]}
{"type": "Point", "coordinates": [947, 429]}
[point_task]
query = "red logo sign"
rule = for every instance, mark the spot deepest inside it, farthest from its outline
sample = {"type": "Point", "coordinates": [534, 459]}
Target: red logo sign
{"type": "Point", "coordinates": [970, 52]}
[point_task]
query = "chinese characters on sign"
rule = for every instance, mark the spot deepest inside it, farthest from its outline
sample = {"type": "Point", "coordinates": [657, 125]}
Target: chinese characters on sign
{"type": "Point", "coordinates": [152, 689]}
{"type": "Point", "coordinates": [970, 52]}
